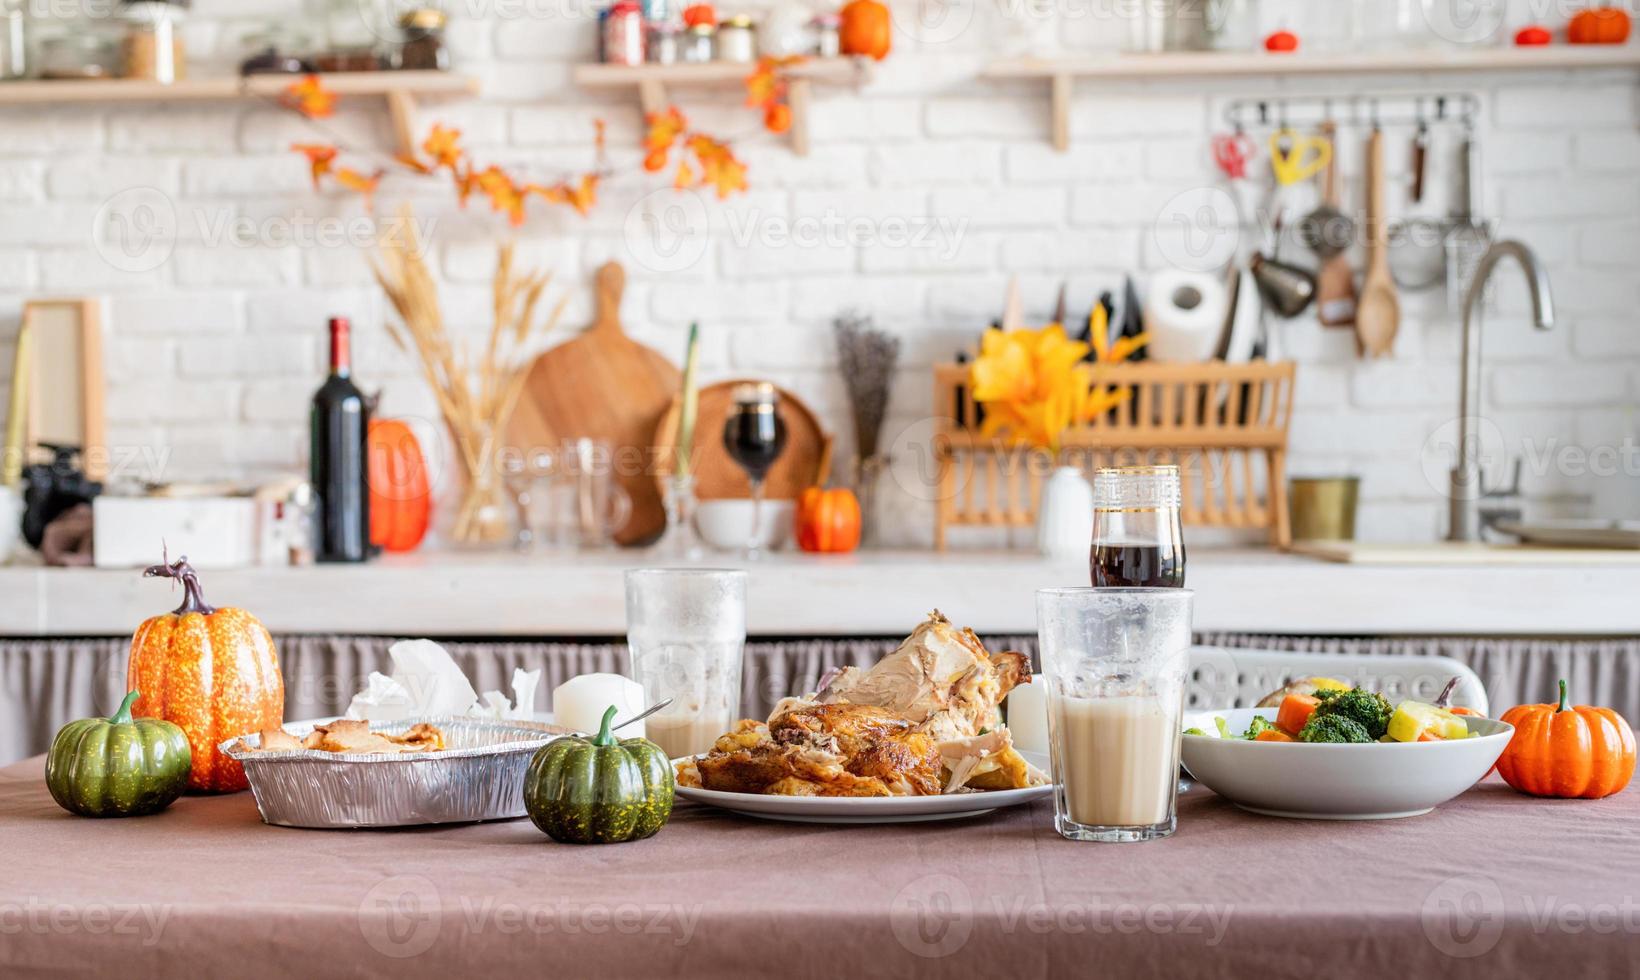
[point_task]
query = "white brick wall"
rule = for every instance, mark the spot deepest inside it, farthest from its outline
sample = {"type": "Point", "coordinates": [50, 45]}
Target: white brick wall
{"type": "Point", "coordinates": [214, 347]}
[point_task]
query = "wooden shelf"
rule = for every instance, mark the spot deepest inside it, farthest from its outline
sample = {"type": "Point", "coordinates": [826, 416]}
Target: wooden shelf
{"type": "Point", "coordinates": [1061, 73]}
{"type": "Point", "coordinates": [399, 88]}
{"type": "Point", "coordinates": [652, 82]}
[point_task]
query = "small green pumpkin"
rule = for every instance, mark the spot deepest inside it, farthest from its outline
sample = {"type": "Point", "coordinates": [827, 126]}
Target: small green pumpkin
{"type": "Point", "coordinates": [599, 792]}
{"type": "Point", "coordinates": [118, 767]}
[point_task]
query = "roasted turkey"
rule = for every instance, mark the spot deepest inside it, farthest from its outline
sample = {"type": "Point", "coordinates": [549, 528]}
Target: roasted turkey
{"type": "Point", "coordinates": [920, 722]}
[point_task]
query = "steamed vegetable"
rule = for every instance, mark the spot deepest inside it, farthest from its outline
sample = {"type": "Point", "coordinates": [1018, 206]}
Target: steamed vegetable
{"type": "Point", "coordinates": [1412, 720]}
{"type": "Point", "coordinates": [1370, 711]}
{"type": "Point", "coordinates": [1295, 711]}
{"type": "Point", "coordinates": [1334, 728]}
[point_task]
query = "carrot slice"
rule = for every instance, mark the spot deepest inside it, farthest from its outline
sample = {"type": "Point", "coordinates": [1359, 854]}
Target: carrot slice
{"type": "Point", "coordinates": [1271, 735]}
{"type": "Point", "coordinates": [1430, 737]}
{"type": "Point", "coordinates": [1295, 711]}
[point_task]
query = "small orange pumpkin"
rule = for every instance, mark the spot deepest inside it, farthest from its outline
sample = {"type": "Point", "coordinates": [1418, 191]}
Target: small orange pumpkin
{"type": "Point", "coordinates": [828, 521]}
{"type": "Point", "coordinates": [1565, 750]}
{"type": "Point", "coordinates": [401, 500]}
{"type": "Point", "coordinates": [1599, 25]}
{"type": "Point", "coordinates": [211, 672]}
{"type": "Point", "coordinates": [867, 29]}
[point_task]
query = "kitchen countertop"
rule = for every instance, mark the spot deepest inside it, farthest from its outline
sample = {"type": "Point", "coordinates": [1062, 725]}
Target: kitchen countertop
{"type": "Point", "coordinates": [871, 593]}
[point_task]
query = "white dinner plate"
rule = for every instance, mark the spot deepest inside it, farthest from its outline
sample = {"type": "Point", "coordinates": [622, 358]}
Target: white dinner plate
{"type": "Point", "coordinates": [875, 809]}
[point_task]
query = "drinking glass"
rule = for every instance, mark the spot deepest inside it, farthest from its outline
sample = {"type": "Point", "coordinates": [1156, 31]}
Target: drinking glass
{"type": "Point", "coordinates": [754, 436]}
{"type": "Point", "coordinates": [1115, 662]}
{"type": "Point", "coordinates": [1137, 538]}
{"type": "Point", "coordinates": [686, 628]}
{"type": "Point", "coordinates": [591, 505]}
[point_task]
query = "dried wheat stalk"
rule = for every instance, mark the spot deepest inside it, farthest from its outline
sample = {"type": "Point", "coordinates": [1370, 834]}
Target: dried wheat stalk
{"type": "Point", "coordinates": [475, 395]}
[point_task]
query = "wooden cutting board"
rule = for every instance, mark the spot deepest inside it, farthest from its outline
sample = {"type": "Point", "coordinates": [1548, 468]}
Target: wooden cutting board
{"type": "Point", "coordinates": [801, 465]}
{"type": "Point", "coordinates": [603, 385]}
{"type": "Point", "coordinates": [1459, 553]}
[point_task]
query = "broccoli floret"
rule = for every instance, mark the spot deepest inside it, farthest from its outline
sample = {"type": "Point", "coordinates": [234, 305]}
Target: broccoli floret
{"type": "Point", "coordinates": [1370, 711]}
{"type": "Point", "coordinates": [1333, 728]}
{"type": "Point", "coordinates": [1326, 694]}
{"type": "Point", "coordinates": [1260, 723]}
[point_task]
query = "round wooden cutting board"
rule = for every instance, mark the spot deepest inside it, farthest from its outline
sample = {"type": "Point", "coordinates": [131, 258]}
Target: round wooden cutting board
{"type": "Point", "coordinates": [801, 465]}
{"type": "Point", "coordinates": [603, 385]}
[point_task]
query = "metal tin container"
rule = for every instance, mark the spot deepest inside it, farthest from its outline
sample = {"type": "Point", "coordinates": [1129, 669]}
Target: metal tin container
{"type": "Point", "coordinates": [1323, 508]}
{"type": "Point", "coordinates": [661, 44]}
{"type": "Point", "coordinates": [699, 45]}
{"type": "Point", "coordinates": [623, 34]}
{"type": "Point", "coordinates": [480, 776]}
{"type": "Point", "coordinates": [736, 40]}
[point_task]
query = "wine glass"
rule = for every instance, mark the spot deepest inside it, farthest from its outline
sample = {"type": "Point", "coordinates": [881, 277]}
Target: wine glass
{"type": "Point", "coordinates": [754, 437]}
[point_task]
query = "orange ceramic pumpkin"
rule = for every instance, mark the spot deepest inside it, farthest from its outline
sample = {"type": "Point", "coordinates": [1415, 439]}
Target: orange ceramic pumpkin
{"type": "Point", "coordinates": [211, 672]}
{"type": "Point", "coordinates": [1572, 751]}
{"type": "Point", "coordinates": [828, 521]}
{"type": "Point", "coordinates": [401, 500]}
{"type": "Point", "coordinates": [1601, 25]}
{"type": "Point", "coordinates": [867, 29]}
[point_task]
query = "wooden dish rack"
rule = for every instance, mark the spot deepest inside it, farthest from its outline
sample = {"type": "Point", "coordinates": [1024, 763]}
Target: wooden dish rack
{"type": "Point", "coordinates": [1224, 426]}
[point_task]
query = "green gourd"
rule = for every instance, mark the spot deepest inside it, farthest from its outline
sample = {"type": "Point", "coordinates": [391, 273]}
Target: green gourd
{"type": "Point", "coordinates": [602, 791]}
{"type": "Point", "coordinates": [119, 766]}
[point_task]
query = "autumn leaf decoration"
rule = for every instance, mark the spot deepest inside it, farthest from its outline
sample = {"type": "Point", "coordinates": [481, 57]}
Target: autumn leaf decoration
{"type": "Point", "coordinates": [441, 152]}
{"type": "Point", "coordinates": [766, 90]}
{"type": "Point", "coordinates": [718, 166]}
{"type": "Point", "coordinates": [1035, 383]}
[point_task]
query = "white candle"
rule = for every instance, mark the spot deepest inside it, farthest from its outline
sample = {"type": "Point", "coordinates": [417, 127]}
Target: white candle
{"type": "Point", "coordinates": [1027, 713]}
{"type": "Point", "coordinates": [580, 702]}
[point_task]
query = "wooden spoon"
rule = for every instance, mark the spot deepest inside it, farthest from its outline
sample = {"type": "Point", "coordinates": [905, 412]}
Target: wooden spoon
{"type": "Point", "coordinates": [1378, 314]}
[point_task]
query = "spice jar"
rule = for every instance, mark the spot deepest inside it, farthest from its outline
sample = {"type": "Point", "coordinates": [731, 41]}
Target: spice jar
{"type": "Point", "coordinates": [661, 44]}
{"type": "Point", "coordinates": [423, 48]}
{"type": "Point", "coordinates": [699, 44]}
{"type": "Point", "coordinates": [828, 35]}
{"type": "Point", "coordinates": [153, 47]}
{"type": "Point", "coordinates": [623, 34]}
{"type": "Point", "coordinates": [735, 40]}
{"type": "Point", "coordinates": [272, 51]}
{"type": "Point", "coordinates": [89, 54]}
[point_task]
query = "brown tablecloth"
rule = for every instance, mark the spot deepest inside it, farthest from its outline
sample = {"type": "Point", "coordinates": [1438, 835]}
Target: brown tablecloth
{"type": "Point", "coordinates": [1493, 885]}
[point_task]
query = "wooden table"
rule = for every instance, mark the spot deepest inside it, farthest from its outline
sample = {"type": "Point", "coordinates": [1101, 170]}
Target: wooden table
{"type": "Point", "coordinates": [1492, 885]}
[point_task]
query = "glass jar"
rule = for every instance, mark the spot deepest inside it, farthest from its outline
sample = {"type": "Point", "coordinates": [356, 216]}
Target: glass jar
{"type": "Point", "coordinates": [353, 34]}
{"type": "Point", "coordinates": [624, 34]}
{"type": "Point", "coordinates": [423, 48]}
{"type": "Point", "coordinates": [85, 54]}
{"type": "Point", "coordinates": [736, 40]}
{"type": "Point", "coordinates": [661, 44]}
{"type": "Point", "coordinates": [274, 50]}
{"type": "Point", "coordinates": [13, 41]}
{"type": "Point", "coordinates": [153, 47]}
{"type": "Point", "coordinates": [828, 41]}
{"type": "Point", "coordinates": [700, 44]}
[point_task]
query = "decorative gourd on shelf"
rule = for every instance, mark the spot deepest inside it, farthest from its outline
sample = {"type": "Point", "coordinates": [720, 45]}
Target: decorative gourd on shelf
{"type": "Point", "coordinates": [828, 521]}
{"type": "Point", "coordinates": [867, 29]}
{"type": "Point", "coordinates": [602, 791]}
{"type": "Point", "coordinates": [119, 766]}
{"type": "Point", "coordinates": [1599, 25]}
{"type": "Point", "coordinates": [1567, 750]}
{"type": "Point", "coordinates": [401, 497]}
{"type": "Point", "coordinates": [212, 672]}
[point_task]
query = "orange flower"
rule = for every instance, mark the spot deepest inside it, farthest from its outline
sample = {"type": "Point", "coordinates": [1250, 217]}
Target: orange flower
{"type": "Point", "coordinates": [356, 181]}
{"type": "Point", "coordinates": [320, 156]}
{"type": "Point", "coordinates": [1034, 385]}
{"type": "Point", "coordinates": [443, 145]}
{"type": "Point", "coordinates": [310, 97]}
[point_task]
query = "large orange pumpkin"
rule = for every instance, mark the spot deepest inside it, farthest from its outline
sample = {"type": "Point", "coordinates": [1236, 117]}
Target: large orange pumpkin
{"type": "Point", "coordinates": [867, 29]}
{"type": "Point", "coordinates": [828, 521]}
{"type": "Point", "coordinates": [212, 672]}
{"type": "Point", "coordinates": [1567, 750]}
{"type": "Point", "coordinates": [1600, 25]}
{"type": "Point", "coordinates": [401, 499]}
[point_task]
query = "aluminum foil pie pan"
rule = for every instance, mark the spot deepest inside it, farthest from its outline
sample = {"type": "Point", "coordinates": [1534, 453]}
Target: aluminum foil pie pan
{"type": "Point", "coordinates": [479, 776]}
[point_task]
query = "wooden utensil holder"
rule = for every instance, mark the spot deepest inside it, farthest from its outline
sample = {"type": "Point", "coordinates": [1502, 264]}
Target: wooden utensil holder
{"type": "Point", "coordinates": [1224, 425]}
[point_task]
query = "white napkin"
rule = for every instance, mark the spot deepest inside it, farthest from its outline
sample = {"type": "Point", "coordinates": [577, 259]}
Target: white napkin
{"type": "Point", "coordinates": [426, 682]}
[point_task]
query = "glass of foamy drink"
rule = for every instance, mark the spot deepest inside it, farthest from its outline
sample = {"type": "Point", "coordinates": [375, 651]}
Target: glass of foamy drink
{"type": "Point", "coordinates": [686, 629]}
{"type": "Point", "coordinates": [1115, 662]}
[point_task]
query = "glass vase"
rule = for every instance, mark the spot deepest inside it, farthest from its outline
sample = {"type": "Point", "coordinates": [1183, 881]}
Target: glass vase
{"type": "Point", "coordinates": [868, 475]}
{"type": "Point", "coordinates": [679, 542]}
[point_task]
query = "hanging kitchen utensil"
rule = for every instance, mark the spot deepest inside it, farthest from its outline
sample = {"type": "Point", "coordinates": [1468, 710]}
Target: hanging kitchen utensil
{"type": "Point", "coordinates": [1417, 252]}
{"type": "Point", "coordinates": [602, 385]}
{"type": "Point", "coordinates": [1287, 289]}
{"type": "Point", "coordinates": [1467, 237]}
{"type": "Point", "coordinates": [1232, 152]}
{"type": "Point", "coordinates": [1327, 230]}
{"type": "Point", "coordinates": [1295, 158]}
{"type": "Point", "coordinates": [1378, 313]}
{"type": "Point", "coordinates": [1333, 232]}
{"type": "Point", "coordinates": [1420, 155]}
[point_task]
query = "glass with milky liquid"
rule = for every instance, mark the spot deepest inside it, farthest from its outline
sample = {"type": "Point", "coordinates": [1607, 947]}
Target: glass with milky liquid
{"type": "Point", "coordinates": [686, 629]}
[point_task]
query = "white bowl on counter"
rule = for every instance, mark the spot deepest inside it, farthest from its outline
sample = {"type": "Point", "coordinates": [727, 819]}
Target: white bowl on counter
{"type": "Point", "coordinates": [1310, 781]}
{"type": "Point", "coordinates": [726, 525]}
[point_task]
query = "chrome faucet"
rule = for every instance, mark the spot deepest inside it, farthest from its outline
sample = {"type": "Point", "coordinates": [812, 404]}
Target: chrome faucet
{"type": "Point", "coordinates": [1466, 489]}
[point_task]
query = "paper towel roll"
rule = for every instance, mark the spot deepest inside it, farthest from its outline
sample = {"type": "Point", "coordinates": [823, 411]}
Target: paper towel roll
{"type": "Point", "coordinates": [1184, 315]}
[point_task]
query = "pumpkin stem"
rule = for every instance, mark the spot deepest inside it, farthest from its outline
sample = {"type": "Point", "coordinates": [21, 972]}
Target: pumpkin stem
{"type": "Point", "coordinates": [193, 599]}
{"type": "Point", "coordinates": [605, 737]}
{"type": "Point", "coordinates": [123, 716]}
{"type": "Point", "coordinates": [1563, 705]}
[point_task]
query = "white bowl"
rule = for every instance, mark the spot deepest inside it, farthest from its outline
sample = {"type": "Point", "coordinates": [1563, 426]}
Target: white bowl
{"type": "Point", "coordinates": [1337, 782]}
{"type": "Point", "coordinates": [727, 524]}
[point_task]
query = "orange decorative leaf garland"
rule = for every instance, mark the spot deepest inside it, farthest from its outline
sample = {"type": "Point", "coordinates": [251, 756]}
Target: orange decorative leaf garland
{"type": "Point", "coordinates": [766, 90]}
{"type": "Point", "coordinates": [443, 152]}
{"type": "Point", "coordinates": [720, 169]}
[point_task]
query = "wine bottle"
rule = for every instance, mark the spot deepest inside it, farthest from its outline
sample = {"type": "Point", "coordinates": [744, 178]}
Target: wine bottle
{"type": "Point", "coordinates": [339, 421]}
